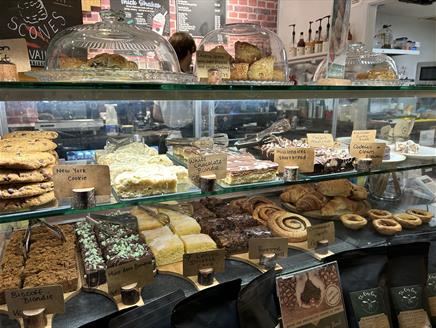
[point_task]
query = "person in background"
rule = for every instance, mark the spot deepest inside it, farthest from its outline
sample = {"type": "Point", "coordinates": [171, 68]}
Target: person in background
{"type": "Point", "coordinates": [178, 114]}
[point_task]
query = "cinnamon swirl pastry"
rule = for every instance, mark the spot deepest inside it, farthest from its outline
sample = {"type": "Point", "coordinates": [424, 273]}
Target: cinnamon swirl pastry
{"type": "Point", "coordinates": [289, 225]}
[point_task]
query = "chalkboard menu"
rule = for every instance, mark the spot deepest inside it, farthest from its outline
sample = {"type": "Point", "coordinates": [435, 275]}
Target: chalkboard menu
{"type": "Point", "coordinates": [198, 17]}
{"type": "Point", "coordinates": [38, 21]}
{"type": "Point", "coordinates": [151, 13]}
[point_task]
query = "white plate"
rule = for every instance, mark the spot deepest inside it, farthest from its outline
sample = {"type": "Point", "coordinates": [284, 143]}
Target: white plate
{"type": "Point", "coordinates": [424, 153]}
{"type": "Point", "coordinates": [395, 158]}
{"type": "Point", "coordinates": [347, 140]}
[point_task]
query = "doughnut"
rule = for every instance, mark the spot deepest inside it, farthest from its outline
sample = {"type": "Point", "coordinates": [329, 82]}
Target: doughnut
{"type": "Point", "coordinates": [263, 212]}
{"type": "Point", "coordinates": [289, 225]}
{"type": "Point", "coordinates": [353, 221]}
{"type": "Point", "coordinates": [408, 221]}
{"type": "Point", "coordinates": [387, 227]}
{"type": "Point", "coordinates": [375, 214]}
{"type": "Point", "coordinates": [423, 215]}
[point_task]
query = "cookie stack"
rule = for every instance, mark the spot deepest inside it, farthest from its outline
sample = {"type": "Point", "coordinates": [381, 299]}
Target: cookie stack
{"type": "Point", "coordinates": [26, 168]}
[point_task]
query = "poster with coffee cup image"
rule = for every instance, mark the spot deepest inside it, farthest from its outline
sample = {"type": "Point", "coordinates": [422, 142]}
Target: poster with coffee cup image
{"type": "Point", "coordinates": [38, 21]}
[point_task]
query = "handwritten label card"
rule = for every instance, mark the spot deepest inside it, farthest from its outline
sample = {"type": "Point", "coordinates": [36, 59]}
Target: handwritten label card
{"type": "Point", "coordinates": [372, 150]}
{"type": "Point", "coordinates": [212, 60]}
{"type": "Point", "coordinates": [363, 136]}
{"type": "Point", "coordinates": [17, 53]}
{"type": "Point", "coordinates": [318, 232]}
{"type": "Point", "coordinates": [316, 140]}
{"type": "Point", "coordinates": [259, 246]}
{"type": "Point", "coordinates": [68, 177]}
{"type": "Point", "coordinates": [51, 298]}
{"type": "Point", "coordinates": [213, 163]}
{"type": "Point", "coordinates": [193, 262]}
{"type": "Point", "coordinates": [302, 157]}
{"type": "Point", "coordinates": [140, 272]}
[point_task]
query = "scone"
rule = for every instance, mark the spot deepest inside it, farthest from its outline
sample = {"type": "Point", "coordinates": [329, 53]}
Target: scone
{"type": "Point", "coordinates": [239, 71]}
{"type": "Point", "coordinates": [9, 176]}
{"type": "Point", "coordinates": [262, 70]}
{"type": "Point", "coordinates": [26, 161]}
{"type": "Point", "coordinates": [26, 145]}
{"type": "Point", "coordinates": [246, 52]}
{"type": "Point", "coordinates": [32, 135]}
{"type": "Point", "coordinates": [221, 50]}
{"type": "Point", "coordinates": [25, 190]}
{"type": "Point", "coordinates": [106, 60]}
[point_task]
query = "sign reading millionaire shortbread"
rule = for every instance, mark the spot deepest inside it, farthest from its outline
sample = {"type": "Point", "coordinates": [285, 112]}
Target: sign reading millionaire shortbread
{"type": "Point", "coordinates": [69, 177]}
{"type": "Point", "coordinates": [210, 164]}
{"type": "Point", "coordinates": [301, 157]}
{"type": "Point", "coordinates": [363, 136]}
{"type": "Point", "coordinates": [212, 60]}
{"type": "Point", "coordinates": [318, 232]}
{"type": "Point", "coordinates": [50, 298]}
{"type": "Point", "coordinates": [192, 262]}
{"type": "Point", "coordinates": [139, 272]}
{"type": "Point", "coordinates": [372, 150]}
{"type": "Point", "coordinates": [259, 246]}
{"type": "Point", "coordinates": [317, 140]}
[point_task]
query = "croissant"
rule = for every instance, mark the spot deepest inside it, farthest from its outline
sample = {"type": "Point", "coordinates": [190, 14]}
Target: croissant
{"type": "Point", "coordinates": [358, 192]}
{"type": "Point", "coordinates": [339, 204]}
{"type": "Point", "coordinates": [310, 202]}
{"type": "Point", "coordinates": [332, 188]}
{"type": "Point", "coordinates": [294, 193]}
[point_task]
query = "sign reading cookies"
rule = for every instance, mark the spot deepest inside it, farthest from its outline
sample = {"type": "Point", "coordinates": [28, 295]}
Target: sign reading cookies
{"type": "Point", "coordinates": [139, 272]}
{"type": "Point", "coordinates": [317, 140]}
{"type": "Point", "coordinates": [363, 136]}
{"type": "Point", "coordinates": [50, 298]}
{"type": "Point", "coordinates": [373, 150]}
{"type": "Point", "coordinates": [192, 262]}
{"type": "Point", "coordinates": [259, 246]}
{"type": "Point", "coordinates": [304, 158]}
{"type": "Point", "coordinates": [69, 177]}
{"type": "Point", "coordinates": [318, 232]}
{"type": "Point", "coordinates": [212, 60]}
{"type": "Point", "coordinates": [211, 164]}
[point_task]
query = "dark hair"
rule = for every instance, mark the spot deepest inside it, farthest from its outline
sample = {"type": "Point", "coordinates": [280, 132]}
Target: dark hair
{"type": "Point", "coordinates": [182, 42]}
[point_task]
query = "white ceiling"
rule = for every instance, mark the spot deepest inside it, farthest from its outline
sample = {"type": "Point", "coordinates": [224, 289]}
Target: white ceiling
{"type": "Point", "coordinates": [396, 8]}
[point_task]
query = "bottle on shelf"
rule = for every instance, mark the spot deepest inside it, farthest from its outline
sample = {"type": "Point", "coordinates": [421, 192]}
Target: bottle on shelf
{"type": "Point", "coordinates": [301, 45]}
{"type": "Point", "coordinates": [325, 44]}
{"type": "Point", "coordinates": [293, 48]}
{"type": "Point", "coordinates": [317, 43]}
{"type": "Point", "coordinates": [309, 46]}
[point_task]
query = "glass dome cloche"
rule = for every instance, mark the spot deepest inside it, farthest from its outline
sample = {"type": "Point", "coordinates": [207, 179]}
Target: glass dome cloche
{"type": "Point", "coordinates": [364, 67]}
{"type": "Point", "coordinates": [256, 54]}
{"type": "Point", "coordinates": [111, 50]}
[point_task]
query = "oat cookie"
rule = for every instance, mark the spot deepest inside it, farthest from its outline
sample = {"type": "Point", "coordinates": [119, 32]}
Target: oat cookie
{"type": "Point", "coordinates": [19, 204]}
{"type": "Point", "coordinates": [26, 145]}
{"type": "Point", "coordinates": [32, 134]}
{"type": "Point", "coordinates": [8, 176]}
{"type": "Point", "coordinates": [26, 161]}
{"type": "Point", "coordinates": [25, 190]}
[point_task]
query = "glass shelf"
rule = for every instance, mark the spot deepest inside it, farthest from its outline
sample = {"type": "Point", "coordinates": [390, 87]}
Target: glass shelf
{"type": "Point", "coordinates": [21, 91]}
{"type": "Point", "coordinates": [408, 164]}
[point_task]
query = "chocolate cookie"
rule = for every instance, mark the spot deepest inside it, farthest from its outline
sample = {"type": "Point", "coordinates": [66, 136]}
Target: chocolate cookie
{"type": "Point", "coordinates": [26, 145]}
{"type": "Point", "coordinates": [32, 134]}
{"type": "Point", "coordinates": [26, 161]}
{"type": "Point", "coordinates": [19, 204]}
{"type": "Point", "coordinates": [8, 176]}
{"type": "Point", "coordinates": [25, 190]}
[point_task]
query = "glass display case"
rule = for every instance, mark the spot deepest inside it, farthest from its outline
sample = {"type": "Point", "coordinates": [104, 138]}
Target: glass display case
{"type": "Point", "coordinates": [368, 152]}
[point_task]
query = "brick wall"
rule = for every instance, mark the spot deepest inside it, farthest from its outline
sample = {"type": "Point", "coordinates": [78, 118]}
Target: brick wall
{"type": "Point", "coordinates": [263, 12]}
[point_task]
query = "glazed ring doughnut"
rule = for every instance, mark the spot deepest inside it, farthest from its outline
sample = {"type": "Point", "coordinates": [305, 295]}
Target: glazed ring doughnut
{"type": "Point", "coordinates": [408, 221]}
{"type": "Point", "coordinates": [387, 227]}
{"type": "Point", "coordinates": [375, 214]}
{"type": "Point", "coordinates": [289, 225]}
{"type": "Point", "coordinates": [263, 212]}
{"type": "Point", "coordinates": [353, 221]}
{"type": "Point", "coordinates": [423, 215]}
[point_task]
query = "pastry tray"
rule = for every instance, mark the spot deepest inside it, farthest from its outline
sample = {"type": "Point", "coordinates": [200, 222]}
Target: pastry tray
{"type": "Point", "coordinates": [183, 190]}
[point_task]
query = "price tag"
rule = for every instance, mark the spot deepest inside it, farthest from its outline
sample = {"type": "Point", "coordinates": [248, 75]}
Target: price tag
{"type": "Point", "coordinates": [304, 158]}
{"type": "Point", "coordinates": [363, 136]}
{"type": "Point", "coordinates": [69, 177]}
{"type": "Point", "coordinates": [316, 140]}
{"type": "Point", "coordinates": [212, 164]}
{"type": "Point", "coordinates": [193, 262]}
{"type": "Point", "coordinates": [212, 60]}
{"type": "Point", "coordinates": [51, 298]}
{"type": "Point", "coordinates": [259, 246]}
{"type": "Point", "coordinates": [372, 150]}
{"type": "Point", "coordinates": [140, 272]}
{"type": "Point", "coordinates": [323, 231]}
